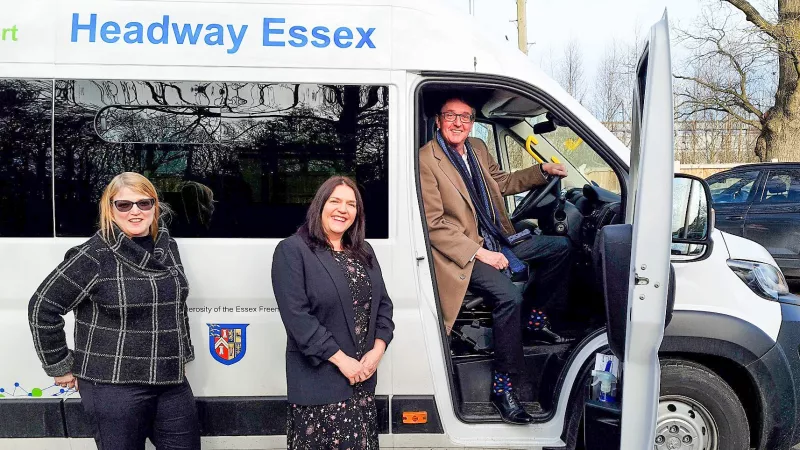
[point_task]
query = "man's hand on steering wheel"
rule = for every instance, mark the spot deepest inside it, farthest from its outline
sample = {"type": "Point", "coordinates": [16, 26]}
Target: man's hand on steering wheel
{"type": "Point", "coordinates": [559, 170]}
{"type": "Point", "coordinates": [555, 172]}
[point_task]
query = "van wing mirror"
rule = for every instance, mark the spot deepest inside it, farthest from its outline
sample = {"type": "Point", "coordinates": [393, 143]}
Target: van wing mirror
{"type": "Point", "coordinates": [692, 217]}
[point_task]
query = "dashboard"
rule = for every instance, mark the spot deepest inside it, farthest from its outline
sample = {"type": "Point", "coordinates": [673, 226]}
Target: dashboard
{"type": "Point", "coordinates": [580, 212]}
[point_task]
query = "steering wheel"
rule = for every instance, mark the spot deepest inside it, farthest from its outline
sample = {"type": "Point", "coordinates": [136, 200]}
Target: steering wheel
{"type": "Point", "coordinates": [534, 196]}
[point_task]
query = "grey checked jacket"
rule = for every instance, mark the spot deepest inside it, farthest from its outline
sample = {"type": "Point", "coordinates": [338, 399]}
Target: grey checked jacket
{"type": "Point", "coordinates": [131, 322]}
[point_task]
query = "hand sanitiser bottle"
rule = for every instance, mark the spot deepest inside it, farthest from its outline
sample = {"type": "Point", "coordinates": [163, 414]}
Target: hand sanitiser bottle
{"type": "Point", "coordinates": [602, 414]}
{"type": "Point", "coordinates": [607, 382]}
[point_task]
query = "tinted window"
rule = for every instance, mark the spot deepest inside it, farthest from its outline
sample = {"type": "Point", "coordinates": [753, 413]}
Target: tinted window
{"type": "Point", "coordinates": [230, 159]}
{"type": "Point", "coordinates": [732, 188]}
{"type": "Point", "coordinates": [26, 203]}
{"type": "Point", "coordinates": [782, 186]}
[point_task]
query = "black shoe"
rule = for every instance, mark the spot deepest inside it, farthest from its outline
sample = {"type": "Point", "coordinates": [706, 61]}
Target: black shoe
{"type": "Point", "coordinates": [510, 409]}
{"type": "Point", "coordinates": [547, 335]}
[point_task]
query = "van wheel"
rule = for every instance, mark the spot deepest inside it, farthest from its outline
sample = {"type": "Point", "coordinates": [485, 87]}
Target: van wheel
{"type": "Point", "coordinates": [699, 410]}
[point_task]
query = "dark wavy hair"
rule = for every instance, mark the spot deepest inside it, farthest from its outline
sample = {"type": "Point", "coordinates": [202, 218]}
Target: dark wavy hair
{"type": "Point", "coordinates": [353, 239]}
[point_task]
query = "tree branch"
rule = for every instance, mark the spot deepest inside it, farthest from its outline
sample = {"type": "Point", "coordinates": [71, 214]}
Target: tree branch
{"type": "Point", "coordinates": [741, 98]}
{"type": "Point", "coordinates": [753, 16]}
{"type": "Point", "coordinates": [716, 105]}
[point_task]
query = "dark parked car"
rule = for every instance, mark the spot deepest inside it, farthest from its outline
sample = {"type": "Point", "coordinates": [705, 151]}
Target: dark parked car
{"type": "Point", "coordinates": [761, 202]}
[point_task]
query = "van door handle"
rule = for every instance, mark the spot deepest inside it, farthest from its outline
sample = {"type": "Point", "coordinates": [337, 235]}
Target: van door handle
{"type": "Point", "coordinates": [734, 217]}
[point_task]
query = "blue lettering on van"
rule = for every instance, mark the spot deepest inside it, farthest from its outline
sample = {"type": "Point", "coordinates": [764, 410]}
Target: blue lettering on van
{"type": "Point", "coordinates": [270, 31]}
{"type": "Point", "coordinates": [231, 36]}
{"type": "Point", "coordinates": [320, 36]}
{"type": "Point", "coordinates": [342, 37]}
{"type": "Point", "coordinates": [300, 39]}
{"type": "Point", "coordinates": [365, 38]}
{"type": "Point", "coordinates": [159, 32]}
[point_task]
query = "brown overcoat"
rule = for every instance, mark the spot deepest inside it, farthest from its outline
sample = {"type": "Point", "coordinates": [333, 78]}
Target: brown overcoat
{"type": "Point", "coordinates": [451, 216]}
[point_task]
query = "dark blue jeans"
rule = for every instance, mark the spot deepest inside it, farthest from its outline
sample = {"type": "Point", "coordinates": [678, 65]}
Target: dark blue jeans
{"type": "Point", "coordinates": [548, 258]}
{"type": "Point", "coordinates": [123, 416]}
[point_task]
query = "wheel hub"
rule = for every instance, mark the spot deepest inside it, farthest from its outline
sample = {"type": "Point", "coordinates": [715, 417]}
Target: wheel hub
{"type": "Point", "coordinates": [684, 424]}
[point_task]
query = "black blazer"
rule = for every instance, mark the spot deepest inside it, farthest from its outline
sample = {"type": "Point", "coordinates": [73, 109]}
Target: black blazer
{"type": "Point", "coordinates": [316, 307]}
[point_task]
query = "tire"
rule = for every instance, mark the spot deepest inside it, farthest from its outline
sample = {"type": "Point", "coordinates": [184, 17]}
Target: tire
{"type": "Point", "coordinates": [697, 404]}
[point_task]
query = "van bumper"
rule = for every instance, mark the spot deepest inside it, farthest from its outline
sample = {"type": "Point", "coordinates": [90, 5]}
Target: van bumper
{"type": "Point", "coordinates": [776, 376]}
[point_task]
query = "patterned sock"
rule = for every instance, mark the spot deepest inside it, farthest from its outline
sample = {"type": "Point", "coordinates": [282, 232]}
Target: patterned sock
{"type": "Point", "coordinates": [501, 383]}
{"type": "Point", "coordinates": [537, 320]}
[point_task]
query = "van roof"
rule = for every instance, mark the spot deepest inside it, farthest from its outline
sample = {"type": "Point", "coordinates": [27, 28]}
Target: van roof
{"type": "Point", "coordinates": [176, 39]}
{"type": "Point", "coordinates": [369, 34]}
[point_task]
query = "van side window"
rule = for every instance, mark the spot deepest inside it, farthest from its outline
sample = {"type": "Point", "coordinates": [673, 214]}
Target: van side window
{"type": "Point", "coordinates": [485, 132]}
{"type": "Point", "coordinates": [26, 202]}
{"type": "Point", "coordinates": [230, 159]}
{"type": "Point", "coordinates": [518, 157]}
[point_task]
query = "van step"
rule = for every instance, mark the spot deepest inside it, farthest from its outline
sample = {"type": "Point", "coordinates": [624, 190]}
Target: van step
{"type": "Point", "coordinates": [484, 412]}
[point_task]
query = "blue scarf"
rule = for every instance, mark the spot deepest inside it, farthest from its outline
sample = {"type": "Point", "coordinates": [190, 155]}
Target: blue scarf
{"type": "Point", "coordinates": [489, 226]}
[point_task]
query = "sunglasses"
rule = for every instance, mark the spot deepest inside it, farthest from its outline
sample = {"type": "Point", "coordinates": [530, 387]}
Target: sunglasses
{"type": "Point", "coordinates": [126, 205]}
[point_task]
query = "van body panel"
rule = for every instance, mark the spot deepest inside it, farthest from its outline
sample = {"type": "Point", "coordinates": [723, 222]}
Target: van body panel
{"type": "Point", "coordinates": [695, 292]}
{"type": "Point", "coordinates": [747, 250]}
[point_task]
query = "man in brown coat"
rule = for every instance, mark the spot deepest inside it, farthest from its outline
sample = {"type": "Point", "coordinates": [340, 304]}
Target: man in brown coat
{"type": "Point", "coordinates": [462, 191]}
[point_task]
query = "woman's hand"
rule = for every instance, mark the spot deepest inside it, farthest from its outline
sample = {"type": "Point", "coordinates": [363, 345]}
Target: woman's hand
{"type": "Point", "coordinates": [351, 368]}
{"type": "Point", "coordinates": [372, 358]}
{"type": "Point", "coordinates": [67, 381]}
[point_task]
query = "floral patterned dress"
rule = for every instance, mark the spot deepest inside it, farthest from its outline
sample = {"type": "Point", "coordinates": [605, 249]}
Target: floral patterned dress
{"type": "Point", "coordinates": [350, 424]}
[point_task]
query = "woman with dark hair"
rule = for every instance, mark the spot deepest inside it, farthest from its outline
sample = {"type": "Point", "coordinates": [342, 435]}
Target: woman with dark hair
{"type": "Point", "coordinates": [338, 320]}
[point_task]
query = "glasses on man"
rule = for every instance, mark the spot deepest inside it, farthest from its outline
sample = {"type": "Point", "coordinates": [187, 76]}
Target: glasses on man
{"type": "Point", "coordinates": [450, 116]}
{"type": "Point", "coordinates": [126, 205]}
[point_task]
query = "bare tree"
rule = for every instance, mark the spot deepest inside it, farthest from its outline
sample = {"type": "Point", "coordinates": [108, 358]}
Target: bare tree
{"type": "Point", "coordinates": [747, 70]}
{"type": "Point", "coordinates": [707, 136]}
{"type": "Point", "coordinates": [630, 62]}
{"type": "Point", "coordinates": [570, 72]}
{"type": "Point", "coordinates": [608, 97]}
{"type": "Point", "coordinates": [613, 86]}
{"type": "Point", "coordinates": [547, 62]}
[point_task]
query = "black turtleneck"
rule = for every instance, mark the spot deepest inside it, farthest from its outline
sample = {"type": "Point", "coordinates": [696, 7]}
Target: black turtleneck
{"type": "Point", "coordinates": [146, 242]}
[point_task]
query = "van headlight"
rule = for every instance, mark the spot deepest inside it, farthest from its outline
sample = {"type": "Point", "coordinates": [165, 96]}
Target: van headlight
{"type": "Point", "coordinates": [765, 280]}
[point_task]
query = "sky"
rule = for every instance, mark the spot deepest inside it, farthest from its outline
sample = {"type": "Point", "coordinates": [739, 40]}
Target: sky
{"type": "Point", "coordinates": [595, 24]}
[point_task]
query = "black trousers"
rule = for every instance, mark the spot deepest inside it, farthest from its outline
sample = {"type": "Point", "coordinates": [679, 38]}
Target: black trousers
{"type": "Point", "coordinates": [549, 267]}
{"type": "Point", "coordinates": [124, 416]}
{"type": "Point", "coordinates": [548, 259]}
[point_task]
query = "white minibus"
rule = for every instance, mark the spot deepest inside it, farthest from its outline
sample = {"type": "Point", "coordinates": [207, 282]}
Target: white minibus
{"type": "Point", "coordinates": [259, 101]}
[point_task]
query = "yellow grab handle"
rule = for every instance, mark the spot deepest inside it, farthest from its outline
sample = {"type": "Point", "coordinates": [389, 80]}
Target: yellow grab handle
{"type": "Point", "coordinates": [555, 160]}
{"type": "Point", "coordinates": [532, 140]}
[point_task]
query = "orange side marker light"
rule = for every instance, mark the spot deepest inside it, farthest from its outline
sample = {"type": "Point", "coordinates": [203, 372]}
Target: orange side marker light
{"type": "Point", "coordinates": [415, 417]}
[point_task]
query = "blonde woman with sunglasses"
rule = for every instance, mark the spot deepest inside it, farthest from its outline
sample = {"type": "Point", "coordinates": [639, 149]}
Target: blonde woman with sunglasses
{"type": "Point", "coordinates": [127, 288]}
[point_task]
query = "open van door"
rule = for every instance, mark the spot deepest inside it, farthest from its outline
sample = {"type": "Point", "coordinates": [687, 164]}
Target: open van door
{"type": "Point", "coordinates": [649, 209]}
{"type": "Point", "coordinates": [635, 257]}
